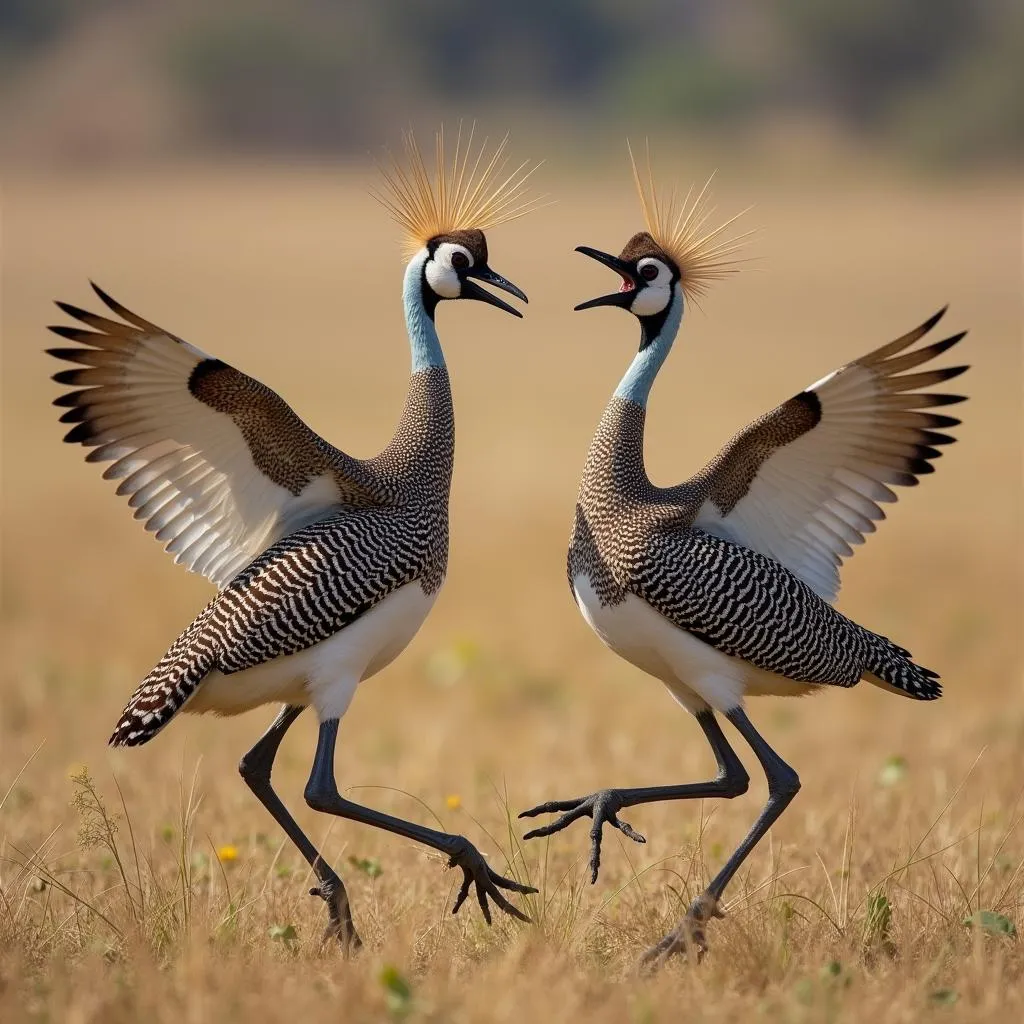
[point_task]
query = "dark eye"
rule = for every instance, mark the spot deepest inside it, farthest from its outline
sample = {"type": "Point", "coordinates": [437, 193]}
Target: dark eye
{"type": "Point", "coordinates": [460, 260]}
{"type": "Point", "coordinates": [648, 271]}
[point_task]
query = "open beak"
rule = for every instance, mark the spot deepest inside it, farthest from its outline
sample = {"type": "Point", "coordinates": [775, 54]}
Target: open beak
{"type": "Point", "coordinates": [626, 293]}
{"type": "Point", "coordinates": [471, 290]}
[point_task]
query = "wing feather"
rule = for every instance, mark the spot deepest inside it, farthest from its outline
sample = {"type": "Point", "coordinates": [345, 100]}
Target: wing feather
{"type": "Point", "coordinates": [805, 482]}
{"type": "Point", "coordinates": [214, 463]}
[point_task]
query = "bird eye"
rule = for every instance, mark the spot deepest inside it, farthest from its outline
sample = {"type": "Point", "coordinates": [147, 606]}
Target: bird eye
{"type": "Point", "coordinates": [649, 271]}
{"type": "Point", "coordinates": [460, 260]}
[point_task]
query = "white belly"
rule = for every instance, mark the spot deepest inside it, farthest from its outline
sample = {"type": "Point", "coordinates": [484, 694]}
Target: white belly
{"type": "Point", "coordinates": [697, 674]}
{"type": "Point", "coordinates": [327, 674]}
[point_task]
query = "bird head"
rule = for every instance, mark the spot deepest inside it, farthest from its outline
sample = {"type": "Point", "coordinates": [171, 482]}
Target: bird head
{"type": "Point", "coordinates": [445, 210]}
{"type": "Point", "coordinates": [674, 260]}
{"type": "Point", "coordinates": [454, 263]}
{"type": "Point", "coordinates": [650, 277]}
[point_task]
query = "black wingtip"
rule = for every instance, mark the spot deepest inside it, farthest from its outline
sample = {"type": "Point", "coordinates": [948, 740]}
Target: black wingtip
{"type": "Point", "coordinates": [933, 319]}
{"type": "Point", "coordinates": [78, 334]}
{"type": "Point", "coordinates": [66, 377]}
{"type": "Point", "coordinates": [126, 314]}
{"type": "Point", "coordinates": [104, 297]}
{"type": "Point", "coordinates": [81, 433]}
{"type": "Point", "coordinates": [947, 343]}
{"type": "Point", "coordinates": [949, 372]}
{"type": "Point", "coordinates": [110, 302]}
{"type": "Point", "coordinates": [934, 437]}
{"type": "Point", "coordinates": [73, 311]}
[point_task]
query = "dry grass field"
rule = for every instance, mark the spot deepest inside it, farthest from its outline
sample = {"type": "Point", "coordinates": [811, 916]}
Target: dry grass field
{"type": "Point", "coordinates": [909, 821]}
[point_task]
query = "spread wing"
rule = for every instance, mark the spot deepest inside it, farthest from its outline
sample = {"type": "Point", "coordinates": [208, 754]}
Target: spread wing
{"type": "Point", "coordinates": [805, 481]}
{"type": "Point", "coordinates": [214, 462]}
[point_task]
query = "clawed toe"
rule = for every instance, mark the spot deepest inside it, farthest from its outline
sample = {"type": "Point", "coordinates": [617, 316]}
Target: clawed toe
{"type": "Point", "coordinates": [688, 938]}
{"type": "Point", "coordinates": [602, 807]}
{"type": "Point", "coordinates": [487, 883]}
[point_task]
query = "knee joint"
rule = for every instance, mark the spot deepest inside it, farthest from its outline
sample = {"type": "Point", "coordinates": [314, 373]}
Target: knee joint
{"type": "Point", "coordinates": [735, 783]}
{"type": "Point", "coordinates": [320, 798]}
{"type": "Point", "coordinates": [249, 769]}
{"type": "Point", "coordinates": [785, 784]}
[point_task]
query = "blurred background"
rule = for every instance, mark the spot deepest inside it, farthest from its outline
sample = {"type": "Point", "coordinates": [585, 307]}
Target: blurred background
{"type": "Point", "coordinates": [99, 81]}
{"type": "Point", "coordinates": [208, 164]}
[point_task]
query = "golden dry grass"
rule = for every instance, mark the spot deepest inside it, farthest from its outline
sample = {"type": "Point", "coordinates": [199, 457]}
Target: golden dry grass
{"type": "Point", "coordinates": [505, 695]}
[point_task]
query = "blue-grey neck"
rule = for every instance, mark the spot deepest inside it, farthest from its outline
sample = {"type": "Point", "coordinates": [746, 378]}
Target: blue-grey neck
{"type": "Point", "coordinates": [636, 384]}
{"type": "Point", "coordinates": [423, 340]}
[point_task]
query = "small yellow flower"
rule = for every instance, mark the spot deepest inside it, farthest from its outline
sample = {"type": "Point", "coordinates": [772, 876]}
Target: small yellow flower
{"type": "Point", "coordinates": [453, 801]}
{"type": "Point", "coordinates": [227, 854]}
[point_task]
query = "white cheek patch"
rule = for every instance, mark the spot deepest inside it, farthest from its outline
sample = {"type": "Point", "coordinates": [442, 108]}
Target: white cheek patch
{"type": "Point", "coordinates": [651, 300]}
{"type": "Point", "coordinates": [443, 280]}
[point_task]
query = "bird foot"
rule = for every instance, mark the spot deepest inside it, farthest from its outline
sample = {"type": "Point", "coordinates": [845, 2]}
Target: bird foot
{"type": "Point", "coordinates": [602, 807]}
{"type": "Point", "coordinates": [488, 883]}
{"type": "Point", "coordinates": [688, 938]}
{"type": "Point", "coordinates": [339, 925]}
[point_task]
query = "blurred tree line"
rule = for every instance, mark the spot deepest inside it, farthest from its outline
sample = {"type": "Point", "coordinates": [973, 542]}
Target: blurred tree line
{"type": "Point", "coordinates": [942, 77]}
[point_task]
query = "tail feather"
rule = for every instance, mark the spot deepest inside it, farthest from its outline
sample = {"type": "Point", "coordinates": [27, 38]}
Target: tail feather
{"type": "Point", "coordinates": [893, 669]}
{"type": "Point", "coordinates": [166, 689]}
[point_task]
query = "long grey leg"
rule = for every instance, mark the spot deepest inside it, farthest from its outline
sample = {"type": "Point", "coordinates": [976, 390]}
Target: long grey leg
{"type": "Point", "coordinates": [255, 768]}
{"type": "Point", "coordinates": [322, 795]}
{"type": "Point", "coordinates": [783, 785]}
{"type": "Point", "coordinates": [732, 781]}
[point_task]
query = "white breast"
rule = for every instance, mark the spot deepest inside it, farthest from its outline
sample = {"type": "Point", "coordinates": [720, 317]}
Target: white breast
{"type": "Point", "coordinates": [325, 675]}
{"type": "Point", "coordinates": [696, 673]}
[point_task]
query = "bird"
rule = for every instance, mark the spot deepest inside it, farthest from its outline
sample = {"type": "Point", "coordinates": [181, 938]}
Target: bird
{"type": "Point", "coordinates": [326, 565]}
{"type": "Point", "coordinates": [722, 587]}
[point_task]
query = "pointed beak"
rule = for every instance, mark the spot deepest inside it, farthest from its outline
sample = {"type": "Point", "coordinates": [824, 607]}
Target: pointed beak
{"type": "Point", "coordinates": [623, 298]}
{"type": "Point", "coordinates": [471, 290]}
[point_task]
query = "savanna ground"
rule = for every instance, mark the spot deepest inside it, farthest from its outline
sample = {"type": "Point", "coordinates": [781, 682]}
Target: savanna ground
{"type": "Point", "coordinates": [196, 909]}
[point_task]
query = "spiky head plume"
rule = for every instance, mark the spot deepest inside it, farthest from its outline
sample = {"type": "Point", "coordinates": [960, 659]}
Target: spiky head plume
{"type": "Point", "coordinates": [702, 255]}
{"type": "Point", "coordinates": [473, 190]}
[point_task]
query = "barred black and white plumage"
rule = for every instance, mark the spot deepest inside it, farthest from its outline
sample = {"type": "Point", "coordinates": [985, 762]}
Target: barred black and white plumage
{"type": "Point", "coordinates": [753, 581]}
{"type": "Point", "coordinates": [295, 595]}
{"type": "Point", "coordinates": [721, 586]}
{"type": "Point", "coordinates": [748, 606]}
{"type": "Point", "coordinates": [302, 538]}
{"type": "Point", "coordinates": [327, 565]}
